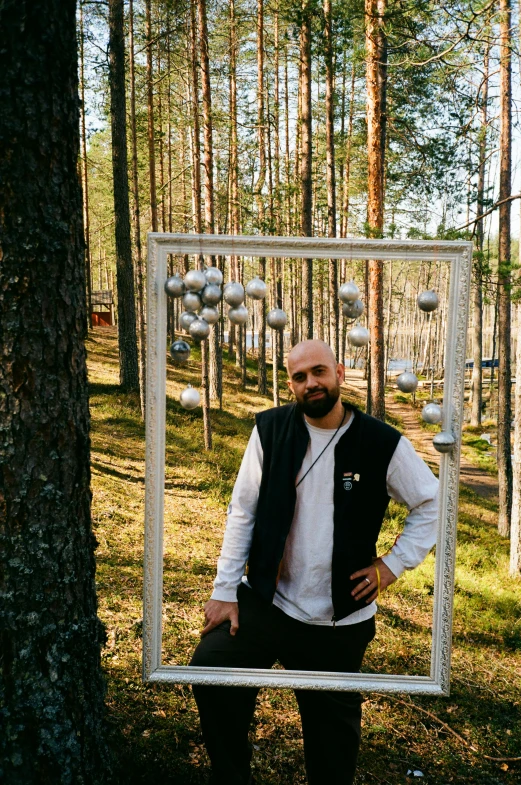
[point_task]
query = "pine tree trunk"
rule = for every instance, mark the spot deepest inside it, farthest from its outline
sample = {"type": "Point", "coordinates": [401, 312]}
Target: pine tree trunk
{"type": "Point", "coordinates": [201, 34]}
{"type": "Point", "coordinates": [137, 217]}
{"type": "Point", "coordinates": [477, 371]}
{"type": "Point", "coordinates": [85, 183]}
{"type": "Point", "coordinates": [215, 368]}
{"type": "Point", "coordinates": [347, 174]}
{"type": "Point", "coordinates": [504, 463]}
{"type": "Point", "coordinates": [262, 381]}
{"type": "Point", "coordinates": [515, 532]}
{"type": "Point", "coordinates": [127, 338]}
{"type": "Point", "coordinates": [233, 168]}
{"type": "Point", "coordinates": [52, 688]}
{"type": "Point", "coordinates": [376, 77]}
{"type": "Point", "coordinates": [150, 106]}
{"type": "Point", "coordinates": [331, 180]}
{"type": "Point", "coordinates": [306, 164]}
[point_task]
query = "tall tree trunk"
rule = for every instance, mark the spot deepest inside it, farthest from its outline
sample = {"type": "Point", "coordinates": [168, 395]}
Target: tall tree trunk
{"type": "Point", "coordinates": [208, 194]}
{"type": "Point", "coordinates": [88, 261]}
{"type": "Point", "coordinates": [127, 339]}
{"type": "Point", "coordinates": [331, 180]}
{"type": "Point", "coordinates": [233, 167]}
{"type": "Point", "coordinates": [504, 462]}
{"type": "Point", "coordinates": [376, 78]}
{"type": "Point", "coordinates": [52, 688]}
{"type": "Point", "coordinates": [515, 532]}
{"type": "Point", "coordinates": [477, 371]}
{"type": "Point", "coordinates": [150, 107]}
{"type": "Point", "coordinates": [262, 381]}
{"type": "Point", "coordinates": [347, 174]}
{"type": "Point", "coordinates": [137, 217]}
{"type": "Point", "coordinates": [306, 163]}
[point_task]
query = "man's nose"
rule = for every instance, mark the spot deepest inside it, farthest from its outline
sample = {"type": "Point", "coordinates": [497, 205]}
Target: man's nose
{"type": "Point", "coordinates": [311, 382]}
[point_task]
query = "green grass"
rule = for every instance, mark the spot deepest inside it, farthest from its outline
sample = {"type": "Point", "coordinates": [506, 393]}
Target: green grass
{"type": "Point", "coordinates": [155, 728]}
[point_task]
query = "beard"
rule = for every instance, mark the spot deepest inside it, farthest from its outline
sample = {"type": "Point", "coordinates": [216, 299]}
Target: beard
{"type": "Point", "coordinates": [321, 406]}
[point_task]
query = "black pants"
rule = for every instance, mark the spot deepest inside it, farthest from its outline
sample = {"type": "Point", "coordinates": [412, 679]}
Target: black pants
{"type": "Point", "coordinates": [330, 720]}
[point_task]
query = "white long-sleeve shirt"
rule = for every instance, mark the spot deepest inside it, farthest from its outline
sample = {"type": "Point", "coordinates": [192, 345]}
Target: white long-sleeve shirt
{"type": "Point", "coordinates": [304, 587]}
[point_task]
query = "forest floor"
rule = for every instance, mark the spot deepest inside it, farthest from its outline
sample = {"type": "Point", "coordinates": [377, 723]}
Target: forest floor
{"type": "Point", "coordinates": [469, 737]}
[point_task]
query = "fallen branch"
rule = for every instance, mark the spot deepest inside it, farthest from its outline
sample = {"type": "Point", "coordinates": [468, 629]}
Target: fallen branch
{"type": "Point", "coordinates": [434, 717]}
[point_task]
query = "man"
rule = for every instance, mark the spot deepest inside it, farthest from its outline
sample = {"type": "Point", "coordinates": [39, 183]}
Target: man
{"type": "Point", "coordinates": [305, 515]}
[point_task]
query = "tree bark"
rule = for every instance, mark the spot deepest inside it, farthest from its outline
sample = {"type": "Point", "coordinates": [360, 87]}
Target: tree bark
{"type": "Point", "coordinates": [262, 381]}
{"type": "Point", "coordinates": [150, 106]}
{"type": "Point", "coordinates": [504, 462]}
{"type": "Point", "coordinates": [515, 532]}
{"type": "Point", "coordinates": [306, 163]}
{"type": "Point", "coordinates": [88, 261]}
{"type": "Point", "coordinates": [331, 179]}
{"type": "Point", "coordinates": [137, 216]}
{"type": "Point", "coordinates": [127, 339]}
{"type": "Point", "coordinates": [52, 687]}
{"type": "Point", "coordinates": [215, 357]}
{"type": "Point", "coordinates": [477, 355]}
{"type": "Point", "coordinates": [376, 77]}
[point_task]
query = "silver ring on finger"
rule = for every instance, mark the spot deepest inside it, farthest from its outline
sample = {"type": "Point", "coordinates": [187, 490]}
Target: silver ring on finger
{"type": "Point", "coordinates": [368, 581]}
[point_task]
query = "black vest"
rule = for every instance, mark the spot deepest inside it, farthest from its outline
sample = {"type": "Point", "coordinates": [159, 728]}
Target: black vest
{"type": "Point", "coordinates": [362, 456]}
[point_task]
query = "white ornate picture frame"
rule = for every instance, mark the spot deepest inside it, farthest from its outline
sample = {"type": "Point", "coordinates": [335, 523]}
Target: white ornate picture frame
{"type": "Point", "coordinates": [459, 255]}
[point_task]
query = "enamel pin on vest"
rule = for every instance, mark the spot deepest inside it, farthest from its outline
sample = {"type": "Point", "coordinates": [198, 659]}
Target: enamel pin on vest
{"type": "Point", "coordinates": [349, 478]}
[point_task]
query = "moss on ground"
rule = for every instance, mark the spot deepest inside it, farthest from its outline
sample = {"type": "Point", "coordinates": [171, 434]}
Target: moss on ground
{"type": "Point", "coordinates": [155, 727]}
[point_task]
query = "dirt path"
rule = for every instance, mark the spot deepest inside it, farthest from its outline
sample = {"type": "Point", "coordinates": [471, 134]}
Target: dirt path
{"type": "Point", "coordinates": [478, 480]}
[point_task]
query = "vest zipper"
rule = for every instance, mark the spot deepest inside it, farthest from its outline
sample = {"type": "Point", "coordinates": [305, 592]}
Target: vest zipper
{"type": "Point", "coordinates": [334, 621]}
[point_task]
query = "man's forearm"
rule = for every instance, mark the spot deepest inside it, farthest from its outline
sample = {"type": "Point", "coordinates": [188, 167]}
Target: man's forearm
{"type": "Point", "coordinates": [239, 524]}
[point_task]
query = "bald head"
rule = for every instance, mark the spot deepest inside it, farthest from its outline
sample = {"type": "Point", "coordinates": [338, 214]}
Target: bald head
{"type": "Point", "coordinates": [312, 352]}
{"type": "Point", "coordinates": [314, 379]}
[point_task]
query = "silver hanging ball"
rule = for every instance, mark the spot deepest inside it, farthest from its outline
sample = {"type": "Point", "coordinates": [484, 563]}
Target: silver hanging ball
{"type": "Point", "coordinates": [349, 292]}
{"type": "Point", "coordinates": [431, 413]}
{"type": "Point", "coordinates": [358, 336]}
{"type": "Point", "coordinates": [277, 319]}
{"type": "Point", "coordinates": [214, 276]}
{"type": "Point", "coordinates": [444, 441]}
{"type": "Point", "coordinates": [428, 301]}
{"type": "Point", "coordinates": [186, 319]}
{"type": "Point", "coordinates": [192, 301]}
{"type": "Point", "coordinates": [174, 286]}
{"type": "Point", "coordinates": [180, 352]}
{"type": "Point", "coordinates": [209, 314]}
{"type": "Point", "coordinates": [211, 294]}
{"type": "Point", "coordinates": [190, 397]}
{"type": "Point", "coordinates": [199, 329]}
{"type": "Point", "coordinates": [238, 315]}
{"type": "Point", "coordinates": [353, 310]}
{"type": "Point", "coordinates": [233, 293]}
{"type": "Point", "coordinates": [407, 382]}
{"type": "Point", "coordinates": [256, 289]}
{"type": "Point", "coordinates": [195, 280]}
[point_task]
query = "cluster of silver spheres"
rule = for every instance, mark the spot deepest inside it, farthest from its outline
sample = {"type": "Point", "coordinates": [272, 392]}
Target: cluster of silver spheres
{"type": "Point", "coordinates": [202, 291]}
{"type": "Point", "coordinates": [353, 308]}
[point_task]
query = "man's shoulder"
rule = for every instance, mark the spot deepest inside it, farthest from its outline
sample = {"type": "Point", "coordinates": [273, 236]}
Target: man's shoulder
{"type": "Point", "coordinates": [374, 427]}
{"type": "Point", "coordinates": [275, 416]}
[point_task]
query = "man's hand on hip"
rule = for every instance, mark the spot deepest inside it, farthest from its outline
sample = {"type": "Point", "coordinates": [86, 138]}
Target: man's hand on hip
{"type": "Point", "coordinates": [217, 611]}
{"type": "Point", "coordinates": [368, 587]}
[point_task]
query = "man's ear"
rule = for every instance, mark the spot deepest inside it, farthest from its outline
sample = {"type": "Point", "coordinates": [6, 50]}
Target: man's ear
{"type": "Point", "coordinates": [341, 372]}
